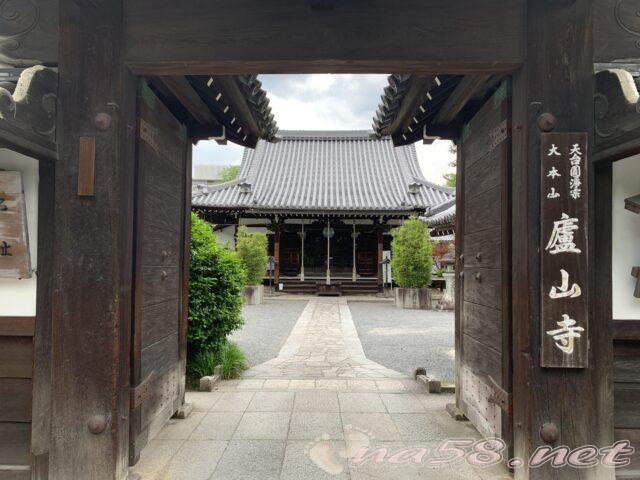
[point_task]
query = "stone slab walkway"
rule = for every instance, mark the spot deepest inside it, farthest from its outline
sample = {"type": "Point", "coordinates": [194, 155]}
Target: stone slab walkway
{"type": "Point", "coordinates": [310, 413]}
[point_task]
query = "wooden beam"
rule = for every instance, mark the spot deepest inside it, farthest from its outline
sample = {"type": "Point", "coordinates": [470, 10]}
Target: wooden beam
{"type": "Point", "coordinates": [237, 102]}
{"type": "Point", "coordinates": [249, 36]}
{"type": "Point", "coordinates": [92, 261]}
{"type": "Point", "coordinates": [556, 31]}
{"type": "Point", "coordinates": [464, 92]}
{"type": "Point", "coordinates": [17, 326]}
{"type": "Point", "coordinates": [416, 95]}
{"type": "Point", "coordinates": [180, 87]}
{"type": "Point", "coordinates": [626, 330]}
{"type": "Point", "coordinates": [633, 204]}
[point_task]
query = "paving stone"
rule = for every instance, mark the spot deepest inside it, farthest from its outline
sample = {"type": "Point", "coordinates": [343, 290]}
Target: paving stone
{"type": "Point", "coordinates": [323, 384]}
{"type": "Point", "coordinates": [251, 384]}
{"type": "Point", "coordinates": [272, 402]}
{"type": "Point", "coordinates": [155, 456]}
{"type": "Point", "coordinates": [360, 384]}
{"type": "Point", "coordinates": [322, 390]}
{"type": "Point", "coordinates": [217, 426]}
{"type": "Point", "coordinates": [418, 427]}
{"type": "Point", "coordinates": [251, 460]}
{"type": "Point", "coordinates": [233, 401]}
{"type": "Point", "coordinates": [317, 460]}
{"type": "Point", "coordinates": [316, 401]}
{"type": "Point", "coordinates": [371, 469]}
{"type": "Point", "coordinates": [196, 460]}
{"type": "Point", "coordinates": [377, 426]}
{"type": "Point", "coordinates": [453, 427]}
{"type": "Point", "coordinates": [361, 402]}
{"type": "Point", "coordinates": [263, 426]}
{"type": "Point", "coordinates": [276, 384]}
{"type": "Point", "coordinates": [176, 429]}
{"type": "Point", "coordinates": [391, 385]}
{"type": "Point", "coordinates": [202, 401]}
{"type": "Point", "coordinates": [310, 425]}
{"type": "Point", "coordinates": [434, 401]}
{"type": "Point", "coordinates": [402, 403]}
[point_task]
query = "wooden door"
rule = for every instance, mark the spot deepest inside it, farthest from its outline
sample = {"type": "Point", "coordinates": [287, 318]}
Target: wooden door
{"type": "Point", "coordinates": [290, 254]}
{"type": "Point", "coordinates": [366, 255]}
{"type": "Point", "coordinates": [483, 238]}
{"type": "Point", "coordinates": [158, 341]}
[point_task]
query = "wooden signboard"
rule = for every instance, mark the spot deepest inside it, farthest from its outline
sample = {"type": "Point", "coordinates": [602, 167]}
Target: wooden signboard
{"type": "Point", "coordinates": [564, 251]}
{"type": "Point", "coordinates": [15, 260]}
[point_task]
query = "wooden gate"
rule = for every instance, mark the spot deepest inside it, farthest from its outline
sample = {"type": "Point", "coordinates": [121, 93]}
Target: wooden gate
{"type": "Point", "coordinates": [160, 295]}
{"type": "Point", "coordinates": [483, 238]}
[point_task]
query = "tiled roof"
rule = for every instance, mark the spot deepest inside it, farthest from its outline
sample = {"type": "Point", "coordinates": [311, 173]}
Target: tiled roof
{"type": "Point", "coordinates": [392, 100]}
{"type": "Point", "coordinates": [327, 171]}
{"type": "Point", "coordinates": [444, 214]}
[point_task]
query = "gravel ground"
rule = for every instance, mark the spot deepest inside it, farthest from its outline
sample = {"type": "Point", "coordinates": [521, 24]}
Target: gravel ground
{"type": "Point", "coordinates": [266, 328]}
{"type": "Point", "coordinates": [406, 339]}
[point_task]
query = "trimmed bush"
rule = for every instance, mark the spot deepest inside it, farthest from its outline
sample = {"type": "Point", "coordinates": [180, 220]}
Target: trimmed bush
{"type": "Point", "coordinates": [252, 248]}
{"type": "Point", "coordinates": [217, 280]}
{"type": "Point", "coordinates": [411, 260]}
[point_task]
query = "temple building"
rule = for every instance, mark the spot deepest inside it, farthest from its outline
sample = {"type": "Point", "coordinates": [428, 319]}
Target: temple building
{"type": "Point", "coordinates": [327, 201]}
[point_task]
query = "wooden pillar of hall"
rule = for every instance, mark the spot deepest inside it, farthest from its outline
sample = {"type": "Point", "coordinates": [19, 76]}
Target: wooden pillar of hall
{"type": "Point", "coordinates": [380, 245]}
{"type": "Point", "coordinates": [93, 237]}
{"type": "Point", "coordinates": [557, 78]}
{"type": "Point", "coordinates": [276, 257]}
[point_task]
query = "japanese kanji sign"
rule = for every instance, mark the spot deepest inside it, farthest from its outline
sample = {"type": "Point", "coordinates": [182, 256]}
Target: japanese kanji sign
{"type": "Point", "coordinates": [15, 260]}
{"type": "Point", "coordinates": [564, 250]}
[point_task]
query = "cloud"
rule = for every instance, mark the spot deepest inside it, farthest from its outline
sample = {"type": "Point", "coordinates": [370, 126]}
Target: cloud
{"type": "Point", "coordinates": [435, 160]}
{"type": "Point", "coordinates": [326, 102]}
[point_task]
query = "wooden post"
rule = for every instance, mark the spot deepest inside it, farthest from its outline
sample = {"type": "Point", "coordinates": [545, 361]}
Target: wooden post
{"type": "Point", "coordinates": [354, 271]}
{"type": "Point", "coordinates": [302, 238]}
{"type": "Point", "coordinates": [328, 279]}
{"type": "Point", "coordinates": [92, 272]}
{"type": "Point", "coordinates": [577, 401]}
{"type": "Point", "coordinates": [276, 256]}
{"type": "Point", "coordinates": [379, 237]}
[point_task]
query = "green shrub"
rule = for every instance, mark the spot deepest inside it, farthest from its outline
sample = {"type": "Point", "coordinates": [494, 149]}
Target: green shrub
{"type": "Point", "coordinates": [233, 360]}
{"type": "Point", "coordinates": [217, 279]}
{"type": "Point", "coordinates": [252, 249]}
{"type": "Point", "coordinates": [202, 364]}
{"type": "Point", "coordinates": [230, 356]}
{"type": "Point", "coordinates": [411, 260]}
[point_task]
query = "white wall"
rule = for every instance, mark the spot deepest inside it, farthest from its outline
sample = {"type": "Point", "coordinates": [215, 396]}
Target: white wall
{"type": "Point", "coordinates": [226, 236]}
{"type": "Point", "coordinates": [18, 297]}
{"type": "Point", "coordinates": [626, 239]}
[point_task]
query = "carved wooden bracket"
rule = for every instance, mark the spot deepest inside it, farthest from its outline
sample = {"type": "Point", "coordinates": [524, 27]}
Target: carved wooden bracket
{"type": "Point", "coordinates": [27, 116]}
{"type": "Point", "coordinates": [617, 114]}
{"type": "Point", "coordinates": [28, 32]}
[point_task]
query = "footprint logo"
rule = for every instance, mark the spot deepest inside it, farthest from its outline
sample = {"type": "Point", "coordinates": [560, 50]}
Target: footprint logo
{"type": "Point", "coordinates": [324, 454]}
{"type": "Point", "coordinates": [355, 440]}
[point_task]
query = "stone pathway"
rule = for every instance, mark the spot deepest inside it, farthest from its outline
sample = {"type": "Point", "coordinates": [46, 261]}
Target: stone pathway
{"type": "Point", "coordinates": [323, 344]}
{"type": "Point", "coordinates": [308, 413]}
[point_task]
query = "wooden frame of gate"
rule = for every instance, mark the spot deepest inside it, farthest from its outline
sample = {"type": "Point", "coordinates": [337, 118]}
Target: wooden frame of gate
{"type": "Point", "coordinates": [547, 47]}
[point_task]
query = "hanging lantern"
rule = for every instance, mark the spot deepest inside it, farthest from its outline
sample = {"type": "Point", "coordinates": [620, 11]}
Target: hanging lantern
{"type": "Point", "coordinates": [328, 232]}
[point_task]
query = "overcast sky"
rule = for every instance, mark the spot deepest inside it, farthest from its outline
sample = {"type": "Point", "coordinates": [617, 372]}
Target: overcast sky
{"type": "Point", "coordinates": [326, 102]}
